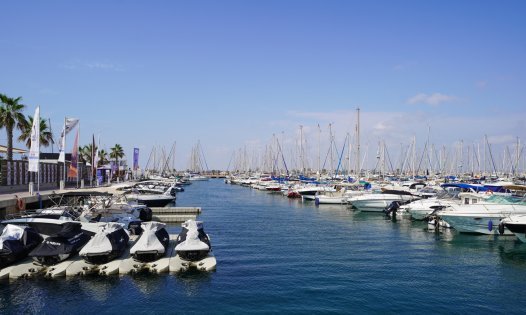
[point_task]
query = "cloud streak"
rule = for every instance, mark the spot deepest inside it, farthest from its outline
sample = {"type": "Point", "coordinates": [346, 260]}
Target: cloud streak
{"type": "Point", "coordinates": [434, 99]}
{"type": "Point", "coordinates": [92, 66]}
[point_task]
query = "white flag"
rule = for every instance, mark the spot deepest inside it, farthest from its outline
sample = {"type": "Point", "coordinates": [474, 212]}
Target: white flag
{"type": "Point", "coordinates": [34, 152]}
{"type": "Point", "coordinates": [69, 124]}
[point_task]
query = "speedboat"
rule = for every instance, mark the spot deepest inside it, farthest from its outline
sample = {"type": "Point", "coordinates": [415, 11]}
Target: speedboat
{"type": "Point", "coordinates": [152, 200]}
{"type": "Point", "coordinates": [481, 218]}
{"type": "Point", "coordinates": [60, 246]}
{"type": "Point", "coordinates": [108, 244]}
{"type": "Point", "coordinates": [516, 224]}
{"type": "Point", "coordinates": [16, 242]}
{"type": "Point", "coordinates": [378, 202]}
{"type": "Point", "coordinates": [152, 243]}
{"type": "Point", "coordinates": [193, 243]}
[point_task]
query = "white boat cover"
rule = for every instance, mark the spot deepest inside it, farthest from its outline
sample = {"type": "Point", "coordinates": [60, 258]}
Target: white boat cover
{"type": "Point", "coordinates": [148, 240]}
{"type": "Point", "coordinates": [11, 232]}
{"type": "Point", "coordinates": [192, 241]}
{"type": "Point", "coordinates": [100, 243]}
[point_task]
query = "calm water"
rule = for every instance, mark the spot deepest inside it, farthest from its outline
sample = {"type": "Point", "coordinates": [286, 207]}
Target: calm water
{"type": "Point", "coordinates": [277, 255]}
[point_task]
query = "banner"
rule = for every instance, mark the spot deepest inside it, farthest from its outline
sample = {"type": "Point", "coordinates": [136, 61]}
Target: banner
{"type": "Point", "coordinates": [135, 159]}
{"type": "Point", "coordinates": [69, 124]}
{"type": "Point", "coordinates": [94, 156]}
{"type": "Point", "coordinates": [34, 152]}
{"type": "Point", "coordinates": [73, 170]}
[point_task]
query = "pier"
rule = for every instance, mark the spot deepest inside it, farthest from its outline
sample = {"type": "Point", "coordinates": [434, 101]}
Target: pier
{"type": "Point", "coordinates": [8, 204]}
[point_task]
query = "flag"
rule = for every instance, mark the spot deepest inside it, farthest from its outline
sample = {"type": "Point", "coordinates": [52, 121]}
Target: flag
{"type": "Point", "coordinates": [94, 156]}
{"type": "Point", "coordinates": [34, 152]}
{"type": "Point", "coordinates": [73, 172]}
{"type": "Point", "coordinates": [69, 124]}
{"type": "Point", "coordinates": [135, 159]}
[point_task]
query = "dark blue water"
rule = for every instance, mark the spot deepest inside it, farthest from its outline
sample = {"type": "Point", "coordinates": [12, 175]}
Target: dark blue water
{"type": "Point", "coordinates": [277, 255]}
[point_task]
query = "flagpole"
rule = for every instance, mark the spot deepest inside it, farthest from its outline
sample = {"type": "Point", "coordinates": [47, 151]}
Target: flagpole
{"type": "Point", "coordinates": [78, 140]}
{"type": "Point", "coordinates": [64, 150]}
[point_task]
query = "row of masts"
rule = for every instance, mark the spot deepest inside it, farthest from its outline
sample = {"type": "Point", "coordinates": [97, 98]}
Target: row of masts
{"type": "Point", "coordinates": [477, 158]}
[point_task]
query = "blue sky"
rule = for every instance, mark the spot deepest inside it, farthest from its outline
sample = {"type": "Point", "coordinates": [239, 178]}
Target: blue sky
{"type": "Point", "coordinates": [233, 73]}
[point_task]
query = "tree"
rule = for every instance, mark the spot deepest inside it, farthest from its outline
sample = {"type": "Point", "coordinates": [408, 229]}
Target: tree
{"type": "Point", "coordinates": [46, 137]}
{"type": "Point", "coordinates": [11, 117]}
{"type": "Point", "coordinates": [85, 153]}
{"type": "Point", "coordinates": [103, 157]}
{"type": "Point", "coordinates": [117, 153]}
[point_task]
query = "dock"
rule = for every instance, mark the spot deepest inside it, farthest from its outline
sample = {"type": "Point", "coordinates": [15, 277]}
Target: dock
{"type": "Point", "coordinates": [175, 214]}
{"type": "Point", "coordinates": [76, 266]}
{"type": "Point", "coordinates": [8, 204]}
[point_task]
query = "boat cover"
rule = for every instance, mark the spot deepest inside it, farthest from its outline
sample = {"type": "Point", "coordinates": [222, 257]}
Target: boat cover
{"type": "Point", "coordinates": [16, 242]}
{"type": "Point", "coordinates": [69, 240]}
{"type": "Point", "coordinates": [193, 243]}
{"type": "Point", "coordinates": [154, 238]}
{"type": "Point", "coordinates": [111, 237]}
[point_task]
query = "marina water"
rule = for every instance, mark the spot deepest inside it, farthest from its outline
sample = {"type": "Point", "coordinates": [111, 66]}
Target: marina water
{"type": "Point", "coordinates": [278, 255]}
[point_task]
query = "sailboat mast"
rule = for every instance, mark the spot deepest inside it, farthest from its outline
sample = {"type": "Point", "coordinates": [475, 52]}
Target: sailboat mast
{"type": "Point", "coordinates": [358, 168]}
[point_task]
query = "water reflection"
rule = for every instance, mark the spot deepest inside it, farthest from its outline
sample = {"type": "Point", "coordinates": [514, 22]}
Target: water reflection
{"type": "Point", "coordinates": [193, 281]}
{"type": "Point", "coordinates": [98, 288]}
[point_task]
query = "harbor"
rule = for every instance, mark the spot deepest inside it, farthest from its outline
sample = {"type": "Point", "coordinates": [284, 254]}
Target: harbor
{"type": "Point", "coordinates": [303, 257]}
{"type": "Point", "coordinates": [261, 157]}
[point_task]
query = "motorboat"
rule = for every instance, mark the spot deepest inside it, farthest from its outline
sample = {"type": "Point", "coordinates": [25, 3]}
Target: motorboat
{"type": "Point", "coordinates": [480, 218]}
{"type": "Point", "coordinates": [310, 192]}
{"type": "Point", "coordinates": [378, 202]}
{"type": "Point", "coordinates": [152, 244]}
{"type": "Point", "coordinates": [451, 193]}
{"type": "Point", "coordinates": [151, 200]}
{"type": "Point", "coordinates": [515, 224]}
{"type": "Point", "coordinates": [16, 242]}
{"type": "Point", "coordinates": [193, 243]}
{"type": "Point", "coordinates": [60, 246]}
{"type": "Point", "coordinates": [108, 244]}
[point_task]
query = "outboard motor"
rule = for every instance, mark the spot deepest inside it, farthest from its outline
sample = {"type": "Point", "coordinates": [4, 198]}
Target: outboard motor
{"type": "Point", "coordinates": [392, 208]}
{"type": "Point", "coordinates": [501, 228]}
{"type": "Point", "coordinates": [146, 214]}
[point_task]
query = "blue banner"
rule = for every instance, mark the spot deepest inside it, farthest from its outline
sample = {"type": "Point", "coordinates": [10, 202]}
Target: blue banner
{"type": "Point", "coordinates": [135, 159]}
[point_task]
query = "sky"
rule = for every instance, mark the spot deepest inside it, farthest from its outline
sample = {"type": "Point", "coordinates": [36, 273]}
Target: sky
{"type": "Point", "coordinates": [231, 74]}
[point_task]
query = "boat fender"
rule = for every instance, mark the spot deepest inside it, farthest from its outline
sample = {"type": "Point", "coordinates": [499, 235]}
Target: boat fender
{"type": "Point", "coordinates": [20, 204]}
{"type": "Point", "coordinates": [317, 201]}
{"type": "Point", "coordinates": [501, 228]}
{"type": "Point", "coordinates": [490, 225]}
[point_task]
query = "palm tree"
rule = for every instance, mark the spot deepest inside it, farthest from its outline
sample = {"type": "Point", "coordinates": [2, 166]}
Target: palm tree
{"type": "Point", "coordinates": [103, 157]}
{"type": "Point", "coordinates": [116, 153]}
{"type": "Point", "coordinates": [85, 152]}
{"type": "Point", "coordinates": [46, 137]}
{"type": "Point", "coordinates": [11, 116]}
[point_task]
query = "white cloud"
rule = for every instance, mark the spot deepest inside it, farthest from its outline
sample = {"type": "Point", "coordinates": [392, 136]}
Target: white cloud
{"type": "Point", "coordinates": [431, 99]}
{"type": "Point", "coordinates": [91, 65]}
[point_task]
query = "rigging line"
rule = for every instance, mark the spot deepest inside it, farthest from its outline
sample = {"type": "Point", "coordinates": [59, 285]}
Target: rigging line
{"type": "Point", "coordinates": [341, 155]}
{"type": "Point", "coordinates": [389, 158]}
{"type": "Point", "coordinates": [282, 156]}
